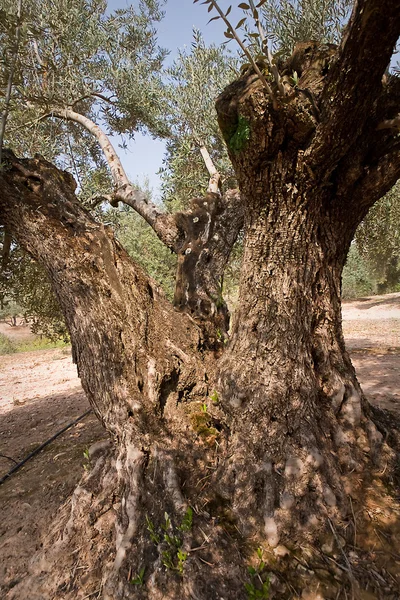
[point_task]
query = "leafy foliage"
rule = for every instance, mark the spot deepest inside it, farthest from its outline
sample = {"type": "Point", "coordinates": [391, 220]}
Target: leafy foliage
{"type": "Point", "coordinates": [106, 67]}
{"type": "Point", "coordinates": [145, 248]}
{"type": "Point", "coordinates": [26, 284]}
{"type": "Point", "coordinates": [356, 278]}
{"type": "Point", "coordinates": [288, 22]}
{"type": "Point", "coordinates": [258, 588]}
{"type": "Point", "coordinates": [378, 241]}
{"type": "Point", "coordinates": [194, 80]}
{"type": "Point", "coordinates": [169, 540]}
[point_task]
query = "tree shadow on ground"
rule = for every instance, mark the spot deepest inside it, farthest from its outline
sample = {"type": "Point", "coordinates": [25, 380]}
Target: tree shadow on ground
{"type": "Point", "coordinates": [392, 300]}
{"type": "Point", "coordinates": [31, 497]}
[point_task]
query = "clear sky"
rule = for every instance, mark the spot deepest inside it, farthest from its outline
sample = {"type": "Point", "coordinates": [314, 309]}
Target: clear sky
{"type": "Point", "coordinates": [144, 155]}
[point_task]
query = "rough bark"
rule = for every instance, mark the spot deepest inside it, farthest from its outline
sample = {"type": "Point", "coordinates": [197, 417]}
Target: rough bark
{"type": "Point", "coordinates": [207, 232]}
{"type": "Point", "coordinates": [273, 445]}
{"type": "Point", "coordinates": [211, 227]}
{"type": "Point", "coordinates": [140, 365]}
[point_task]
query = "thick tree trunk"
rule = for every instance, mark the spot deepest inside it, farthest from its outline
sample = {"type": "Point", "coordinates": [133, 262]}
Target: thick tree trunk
{"type": "Point", "coordinates": [301, 425]}
{"type": "Point", "coordinates": [286, 376]}
{"type": "Point", "coordinates": [140, 366]}
{"type": "Point", "coordinates": [257, 463]}
{"type": "Point", "coordinates": [271, 449]}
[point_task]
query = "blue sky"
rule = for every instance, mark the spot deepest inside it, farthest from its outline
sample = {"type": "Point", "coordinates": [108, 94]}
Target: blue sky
{"type": "Point", "coordinates": [144, 155]}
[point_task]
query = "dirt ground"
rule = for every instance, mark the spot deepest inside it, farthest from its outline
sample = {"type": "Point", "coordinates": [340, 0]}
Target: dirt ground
{"type": "Point", "coordinates": [40, 393]}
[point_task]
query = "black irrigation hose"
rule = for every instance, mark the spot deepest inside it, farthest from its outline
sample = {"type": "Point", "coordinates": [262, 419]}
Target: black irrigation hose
{"type": "Point", "coordinates": [39, 448]}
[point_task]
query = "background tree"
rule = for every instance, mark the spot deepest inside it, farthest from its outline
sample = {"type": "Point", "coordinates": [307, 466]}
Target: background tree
{"type": "Point", "coordinates": [378, 240]}
{"type": "Point", "coordinates": [195, 79]}
{"type": "Point", "coordinates": [264, 454]}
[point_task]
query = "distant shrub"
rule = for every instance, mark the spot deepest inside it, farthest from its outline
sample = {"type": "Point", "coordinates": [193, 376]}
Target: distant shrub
{"type": "Point", "coordinates": [6, 345]}
{"type": "Point", "coordinates": [356, 279]}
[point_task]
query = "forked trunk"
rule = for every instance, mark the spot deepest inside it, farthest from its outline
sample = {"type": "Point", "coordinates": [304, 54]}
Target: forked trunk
{"type": "Point", "coordinates": [270, 451]}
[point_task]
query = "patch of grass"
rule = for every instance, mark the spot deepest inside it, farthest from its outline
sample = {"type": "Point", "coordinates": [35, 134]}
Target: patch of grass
{"type": "Point", "coordinates": [40, 344]}
{"type": "Point", "coordinates": [8, 346]}
{"type": "Point", "coordinates": [258, 589]}
{"type": "Point", "coordinates": [169, 540]}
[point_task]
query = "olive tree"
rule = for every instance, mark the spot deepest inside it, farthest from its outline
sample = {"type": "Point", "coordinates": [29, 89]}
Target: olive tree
{"type": "Point", "coordinates": [231, 464]}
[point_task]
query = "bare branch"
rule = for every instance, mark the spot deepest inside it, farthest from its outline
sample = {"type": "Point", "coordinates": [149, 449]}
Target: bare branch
{"type": "Point", "coordinates": [232, 31]}
{"type": "Point", "coordinates": [379, 179]}
{"type": "Point", "coordinates": [215, 177]}
{"type": "Point", "coordinates": [270, 58]}
{"type": "Point", "coordinates": [94, 95]}
{"type": "Point", "coordinates": [163, 224]}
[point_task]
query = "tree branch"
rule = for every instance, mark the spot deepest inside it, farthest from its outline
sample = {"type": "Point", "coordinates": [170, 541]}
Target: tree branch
{"type": "Point", "coordinates": [378, 145]}
{"type": "Point", "coordinates": [379, 178]}
{"type": "Point", "coordinates": [163, 224]}
{"type": "Point", "coordinates": [93, 95]}
{"type": "Point", "coordinates": [235, 36]}
{"type": "Point", "coordinates": [354, 81]}
{"type": "Point", "coordinates": [265, 47]}
{"type": "Point", "coordinates": [390, 123]}
{"type": "Point", "coordinates": [215, 177]}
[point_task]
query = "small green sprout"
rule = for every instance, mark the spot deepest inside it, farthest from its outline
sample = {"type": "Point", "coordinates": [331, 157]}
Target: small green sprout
{"type": "Point", "coordinates": [86, 455]}
{"type": "Point", "coordinates": [187, 521]}
{"type": "Point", "coordinates": [139, 579]}
{"type": "Point", "coordinates": [152, 531]}
{"type": "Point", "coordinates": [173, 557]}
{"type": "Point", "coordinates": [167, 523]}
{"type": "Point", "coordinates": [253, 589]}
{"type": "Point", "coordinates": [295, 79]}
{"type": "Point", "coordinates": [214, 397]}
{"type": "Point", "coordinates": [181, 556]}
{"type": "Point", "coordinates": [253, 593]}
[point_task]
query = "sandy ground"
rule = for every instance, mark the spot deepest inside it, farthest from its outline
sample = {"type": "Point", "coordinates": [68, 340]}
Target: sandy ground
{"type": "Point", "coordinates": [40, 393]}
{"type": "Point", "coordinates": [372, 331]}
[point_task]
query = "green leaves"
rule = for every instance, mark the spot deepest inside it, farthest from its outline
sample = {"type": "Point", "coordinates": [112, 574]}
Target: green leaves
{"type": "Point", "coordinates": [259, 587]}
{"type": "Point", "coordinates": [289, 22]}
{"type": "Point", "coordinates": [187, 521]}
{"type": "Point", "coordinates": [170, 542]}
{"type": "Point", "coordinates": [139, 579]}
{"type": "Point", "coordinates": [195, 79]}
{"type": "Point", "coordinates": [72, 51]}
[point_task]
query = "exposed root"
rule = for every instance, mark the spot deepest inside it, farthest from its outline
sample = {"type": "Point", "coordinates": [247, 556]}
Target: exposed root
{"type": "Point", "coordinates": [189, 523]}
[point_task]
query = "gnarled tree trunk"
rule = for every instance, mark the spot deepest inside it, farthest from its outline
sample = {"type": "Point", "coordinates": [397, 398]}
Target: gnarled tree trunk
{"type": "Point", "coordinates": [272, 449]}
{"type": "Point", "coordinates": [211, 227]}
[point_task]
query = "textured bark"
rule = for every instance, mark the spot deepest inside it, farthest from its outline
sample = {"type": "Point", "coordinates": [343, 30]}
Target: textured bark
{"type": "Point", "coordinates": [147, 379]}
{"type": "Point", "coordinates": [273, 445]}
{"type": "Point", "coordinates": [285, 376]}
{"type": "Point", "coordinates": [211, 227]}
{"type": "Point", "coordinates": [207, 232]}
